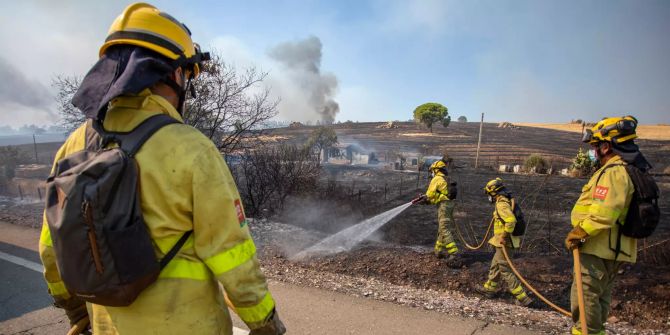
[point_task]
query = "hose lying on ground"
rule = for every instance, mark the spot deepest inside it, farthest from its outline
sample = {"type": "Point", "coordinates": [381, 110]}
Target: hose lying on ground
{"type": "Point", "coordinates": [518, 275]}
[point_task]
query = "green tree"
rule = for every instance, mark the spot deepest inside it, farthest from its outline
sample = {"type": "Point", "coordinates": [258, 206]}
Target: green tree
{"type": "Point", "coordinates": [321, 139]}
{"type": "Point", "coordinates": [462, 118]}
{"type": "Point", "coordinates": [431, 113]}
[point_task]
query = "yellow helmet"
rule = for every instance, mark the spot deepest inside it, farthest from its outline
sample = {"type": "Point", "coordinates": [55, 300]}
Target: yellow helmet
{"type": "Point", "coordinates": [144, 25]}
{"type": "Point", "coordinates": [493, 186]}
{"type": "Point", "coordinates": [612, 129]}
{"type": "Point", "coordinates": [438, 165]}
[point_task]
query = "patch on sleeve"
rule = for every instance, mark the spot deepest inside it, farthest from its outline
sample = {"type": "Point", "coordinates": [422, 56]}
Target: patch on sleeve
{"type": "Point", "coordinates": [600, 192]}
{"type": "Point", "coordinates": [240, 213]}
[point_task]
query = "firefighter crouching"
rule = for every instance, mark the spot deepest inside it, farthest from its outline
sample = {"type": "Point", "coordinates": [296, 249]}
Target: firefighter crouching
{"type": "Point", "coordinates": [504, 223]}
{"type": "Point", "coordinates": [598, 216]}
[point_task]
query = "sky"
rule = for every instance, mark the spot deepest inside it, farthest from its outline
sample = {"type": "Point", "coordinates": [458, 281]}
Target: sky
{"type": "Point", "coordinates": [514, 60]}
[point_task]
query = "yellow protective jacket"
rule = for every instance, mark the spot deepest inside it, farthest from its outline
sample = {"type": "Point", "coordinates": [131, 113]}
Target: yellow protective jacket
{"type": "Point", "coordinates": [185, 185]}
{"type": "Point", "coordinates": [504, 221]}
{"type": "Point", "coordinates": [602, 208]}
{"type": "Point", "coordinates": [438, 189]}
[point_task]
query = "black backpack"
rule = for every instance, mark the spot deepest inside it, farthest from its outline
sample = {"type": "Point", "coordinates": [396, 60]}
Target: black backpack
{"type": "Point", "coordinates": [452, 190]}
{"type": "Point", "coordinates": [643, 213]}
{"type": "Point", "coordinates": [103, 249]}
{"type": "Point", "coordinates": [520, 226]}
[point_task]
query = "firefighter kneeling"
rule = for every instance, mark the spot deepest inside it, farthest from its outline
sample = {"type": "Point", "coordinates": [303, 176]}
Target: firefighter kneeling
{"type": "Point", "coordinates": [504, 224]}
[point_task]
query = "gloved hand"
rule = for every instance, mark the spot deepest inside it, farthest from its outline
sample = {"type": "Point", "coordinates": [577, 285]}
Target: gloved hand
{"type": "Point", "coordinates": [274, 326]}
{"type": "Point", "coordinates": [575, 238]}
{"type": "Point", "coordinates": [503, 239]}
{"type": "Point", "coordinates": [421, 199]}
{"type": "Point", "coordinates": [75, 309]}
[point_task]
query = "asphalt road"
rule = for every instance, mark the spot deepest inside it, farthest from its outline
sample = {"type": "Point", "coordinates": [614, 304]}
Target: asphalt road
{"type": "Point", "coordinates": [25, 306]}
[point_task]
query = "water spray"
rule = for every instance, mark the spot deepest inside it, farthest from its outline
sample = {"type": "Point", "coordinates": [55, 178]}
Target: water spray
{"type": "Point", "coordinates": [348, 238]}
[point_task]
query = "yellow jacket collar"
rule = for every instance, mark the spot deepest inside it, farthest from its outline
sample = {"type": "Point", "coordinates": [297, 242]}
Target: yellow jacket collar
{"type": "Point", "coordinates": [127, 112]}
{"type": "Point", "coordinates": [616, 159]}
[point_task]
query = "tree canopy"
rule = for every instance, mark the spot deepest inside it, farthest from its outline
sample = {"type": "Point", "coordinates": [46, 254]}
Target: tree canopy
{"type": "Point", "coordinates": [431, 113]}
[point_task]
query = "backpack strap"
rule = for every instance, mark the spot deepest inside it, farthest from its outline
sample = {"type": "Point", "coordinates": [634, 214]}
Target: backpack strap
{"type": "Point", "coordinates": [173, 252]}
{"type": "Point", "coordinates": [92, 138]}
{"type": "Point", "coordinates": [132, 141]}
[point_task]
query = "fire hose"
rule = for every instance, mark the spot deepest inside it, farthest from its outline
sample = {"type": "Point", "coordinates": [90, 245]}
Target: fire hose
{"type": "Point", "coordinates": [79, 327]}
{"type": "Point", "coordinates": [481, 244]}
{"type": "Point", "coordinates": [530, 287]}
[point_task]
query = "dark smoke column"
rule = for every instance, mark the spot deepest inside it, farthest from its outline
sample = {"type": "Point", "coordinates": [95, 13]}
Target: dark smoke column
{"type": "Point", "coordinates": [303, 60]}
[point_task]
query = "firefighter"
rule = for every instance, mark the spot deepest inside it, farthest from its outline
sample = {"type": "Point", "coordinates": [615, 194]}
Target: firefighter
{"type": "Point", "coordinates": [598, 214]}
{"type": "Point", "coordinates": [146, 65]}
{"type": "Point", "coordinates": [438, 193]}
{"type": "Point", "coordinates": [503, 226]}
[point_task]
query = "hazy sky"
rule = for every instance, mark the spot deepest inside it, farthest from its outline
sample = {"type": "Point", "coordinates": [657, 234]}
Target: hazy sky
{"type": "Point", "coordinates": [537, 61]}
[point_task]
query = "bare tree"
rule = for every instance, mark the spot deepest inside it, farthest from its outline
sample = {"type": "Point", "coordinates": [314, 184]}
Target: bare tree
{"type": "Point", "coordinates": [267, 176]}
{"type": "Point", "coordinates": [230, 108]}
{"type": "Point", "coordinates": [66, 87]}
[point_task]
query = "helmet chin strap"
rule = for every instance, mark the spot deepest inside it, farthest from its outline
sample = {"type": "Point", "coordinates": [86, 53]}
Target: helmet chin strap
{"type": "Point", "coordinates": [179, 90]}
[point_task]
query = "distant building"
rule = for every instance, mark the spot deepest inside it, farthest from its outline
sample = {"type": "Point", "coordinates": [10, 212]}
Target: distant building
{"type": "Point", "coordinates": [357, 155]}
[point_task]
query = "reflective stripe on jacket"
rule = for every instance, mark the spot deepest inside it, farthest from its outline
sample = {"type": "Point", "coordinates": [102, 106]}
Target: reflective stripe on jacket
{"type": "Point", "coordinates": [438, 189]}
{"type": "Point", "coordinates": [504, 221]}
{"type": "Point", "coordinates": [602, 208]}
{"type": "Point", "coordinates": [185, 185]}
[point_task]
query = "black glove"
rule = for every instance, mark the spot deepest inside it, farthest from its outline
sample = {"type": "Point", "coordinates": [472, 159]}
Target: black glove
{"type": "Point", "coordinates": [274, 326]}
{"type": "Point", "coordinates": [75, 309]}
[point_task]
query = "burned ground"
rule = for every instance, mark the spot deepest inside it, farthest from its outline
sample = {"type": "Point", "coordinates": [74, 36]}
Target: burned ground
{"type": "Point", "coordinates": [400, 254]}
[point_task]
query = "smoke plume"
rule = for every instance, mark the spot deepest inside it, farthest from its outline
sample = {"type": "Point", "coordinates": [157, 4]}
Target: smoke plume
{"type": "Point", "coordinates": [16, 88]}
{"type": "Point", "coordinates": [302, 60]}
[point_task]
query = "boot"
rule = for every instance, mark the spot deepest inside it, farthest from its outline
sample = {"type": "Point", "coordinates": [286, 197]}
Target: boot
{"type": "Point", "coordinates": [525, 302]}
{"type": "Point", "coordinates": [487, 292]}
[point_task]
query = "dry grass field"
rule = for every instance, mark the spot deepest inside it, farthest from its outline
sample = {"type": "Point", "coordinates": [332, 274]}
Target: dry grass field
{"type": "Point", "coordinates": [647, 132]}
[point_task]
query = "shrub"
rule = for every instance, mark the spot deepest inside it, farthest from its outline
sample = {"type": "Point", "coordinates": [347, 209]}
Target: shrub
{"type": "Point", "coordinates": [535, 162]}
{"type": "Point", "coordinates": [581, 164]}
{"type": "Point", "coordinates": [462, 118]}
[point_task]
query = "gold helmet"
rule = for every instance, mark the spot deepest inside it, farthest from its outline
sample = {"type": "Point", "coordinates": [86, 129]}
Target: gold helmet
{"type": "Point", "coordinates": [494, 186]}
{"type": "Point", "coordinates": [612, 129]}
{"type": "Point", "coordinates": [144, 25]}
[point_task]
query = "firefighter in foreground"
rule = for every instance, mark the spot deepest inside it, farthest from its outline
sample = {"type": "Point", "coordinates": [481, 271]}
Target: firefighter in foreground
{"type": "Point", "coordinates": [598, 216]}
{"type": "Point", "coordinates": [144, 69]}
{"type": "Point", "coordinates": [504, 223]}
{"type": "Point", "coordinates": [439, 194]}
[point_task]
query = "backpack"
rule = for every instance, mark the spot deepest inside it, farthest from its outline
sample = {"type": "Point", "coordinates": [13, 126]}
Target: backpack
{"type": "Point", "coordinates": [103, 250]}
{"type": "Point", "coordinates": [452, 188]}
{"type": "Point", "coordinates": [643, 212]}
{"type": "Point", "coordinates": [520, 226]}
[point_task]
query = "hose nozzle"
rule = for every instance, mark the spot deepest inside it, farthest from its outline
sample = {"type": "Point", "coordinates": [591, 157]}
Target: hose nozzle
{"type": "Point", "coordinates": [420, 198]}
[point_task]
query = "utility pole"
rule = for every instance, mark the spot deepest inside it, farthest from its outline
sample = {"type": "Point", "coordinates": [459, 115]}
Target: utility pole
{"type": "Point", "coordinates": [479, 142]}
{"type": "Point", "coordinates": [35, 148]}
